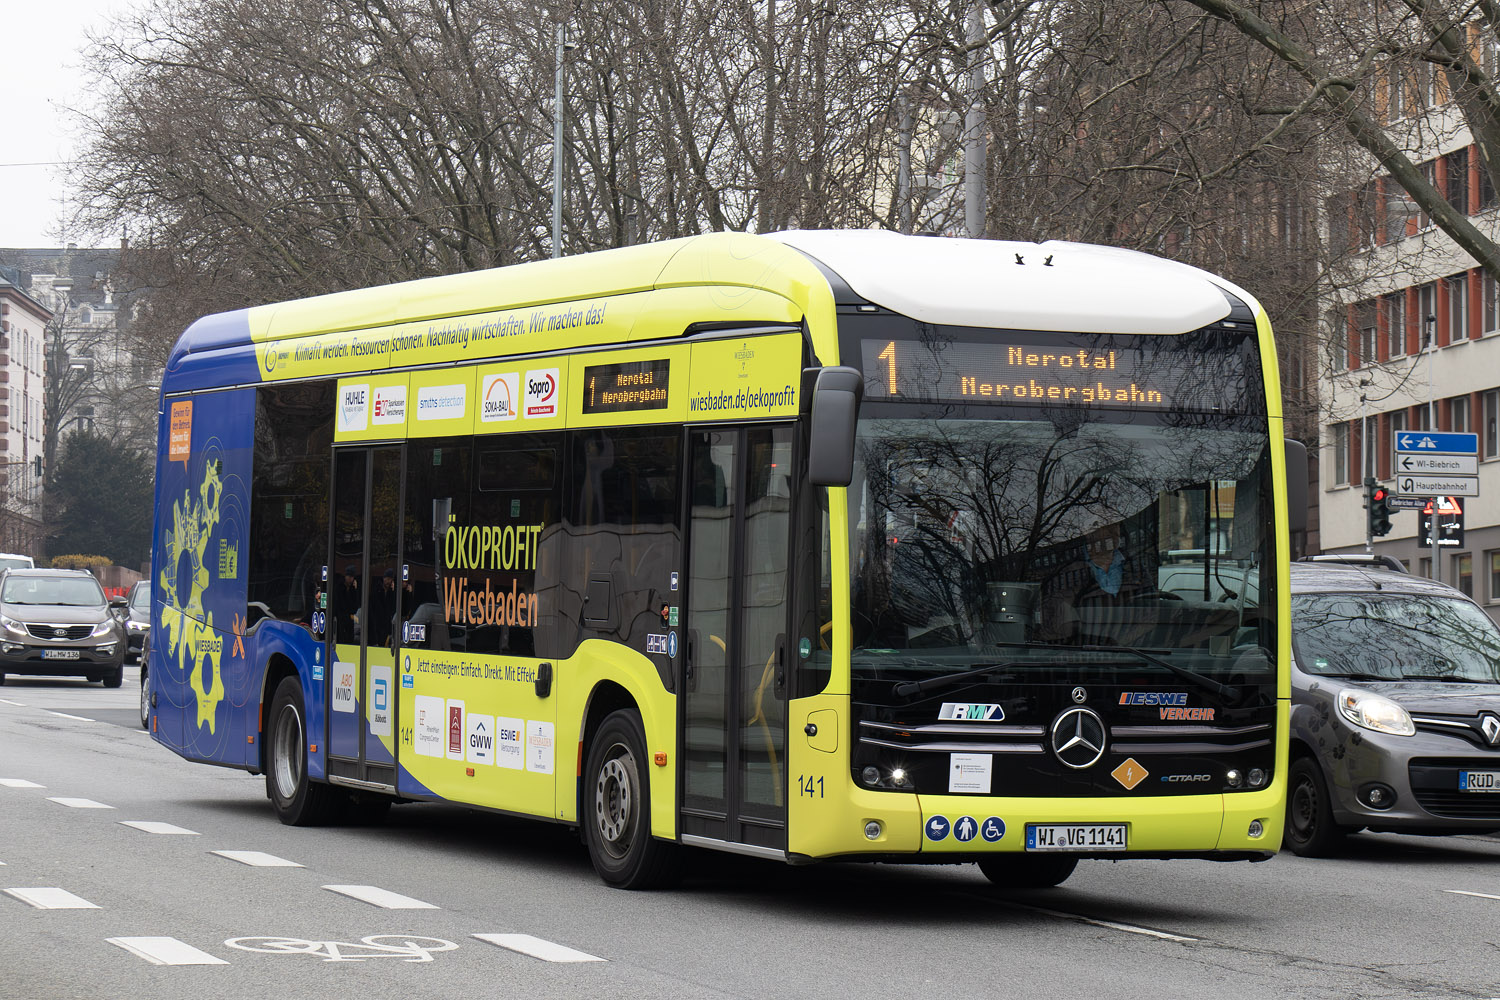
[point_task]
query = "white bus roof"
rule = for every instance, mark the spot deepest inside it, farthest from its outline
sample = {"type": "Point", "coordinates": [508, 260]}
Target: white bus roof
{"type": "Point", "coordinates": [962, 282]}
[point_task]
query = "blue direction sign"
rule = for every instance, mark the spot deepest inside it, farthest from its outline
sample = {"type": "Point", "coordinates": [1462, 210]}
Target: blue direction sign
{"type": "Point", "coordinates": [1436, 443]}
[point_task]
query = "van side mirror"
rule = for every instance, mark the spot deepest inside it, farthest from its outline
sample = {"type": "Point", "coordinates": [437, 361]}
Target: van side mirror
{"type": "Point", "coordinates": [835, 408]}
{"type": "Point", "coordinates": [1296, 485]}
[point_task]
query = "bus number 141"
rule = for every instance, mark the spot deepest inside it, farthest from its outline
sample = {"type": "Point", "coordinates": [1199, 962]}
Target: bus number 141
{"type": "Point", "coordinates": [810, 786]}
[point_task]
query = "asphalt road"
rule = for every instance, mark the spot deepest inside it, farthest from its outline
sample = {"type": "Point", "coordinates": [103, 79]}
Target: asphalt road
{"type": "Point", "coordinates": [1397, 917]}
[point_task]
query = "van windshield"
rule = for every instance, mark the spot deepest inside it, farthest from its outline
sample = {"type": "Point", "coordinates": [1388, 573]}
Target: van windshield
{"type": "Point", "coordinates": [1394, 636]}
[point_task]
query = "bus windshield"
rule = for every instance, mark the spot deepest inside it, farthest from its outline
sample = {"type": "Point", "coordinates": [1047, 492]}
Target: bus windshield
{"type": "Point", "coordinates": [1001, 538]}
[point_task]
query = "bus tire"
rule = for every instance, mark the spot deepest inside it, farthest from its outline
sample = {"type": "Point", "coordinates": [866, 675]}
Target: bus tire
{"type": "Point", "coordinates": [617, 808]}
{"type": "Point", "coordinates": [1028, 871]}
{"type": "Point", "coordinates": [145, 698]}
{"type": "Point", "coordinates": [1311, 831]}
{"type": "Point", "coordinates": [298, 800]}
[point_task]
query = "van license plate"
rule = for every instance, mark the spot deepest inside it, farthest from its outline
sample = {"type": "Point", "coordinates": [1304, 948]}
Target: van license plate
{"type": "Point", "coordinates": [1479, 781]}
{"type": "Point", "coordinates": [1075, 836]}
{"type": "Point", "coordinates": [59, 654]}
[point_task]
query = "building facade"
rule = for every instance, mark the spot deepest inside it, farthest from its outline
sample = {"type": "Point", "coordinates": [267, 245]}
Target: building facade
{"type": "Point", "coordinates": [23, 337]}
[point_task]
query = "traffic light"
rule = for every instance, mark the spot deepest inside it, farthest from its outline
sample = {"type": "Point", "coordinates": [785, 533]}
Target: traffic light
{"type": "Point", "coordinates": [1379, 509]}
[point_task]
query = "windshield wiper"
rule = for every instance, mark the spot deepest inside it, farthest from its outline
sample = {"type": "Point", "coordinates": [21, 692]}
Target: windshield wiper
{"type": "Point", "coordinates": [1357, 676]}
{"type": "Point", "coordinates": [908, 688]}
{"type": "Point", "coordinates": [1446, 679]}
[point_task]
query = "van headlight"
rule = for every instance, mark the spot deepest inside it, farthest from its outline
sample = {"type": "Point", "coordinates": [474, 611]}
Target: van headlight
{"type": "Point", "coordinates": [1376, 712]}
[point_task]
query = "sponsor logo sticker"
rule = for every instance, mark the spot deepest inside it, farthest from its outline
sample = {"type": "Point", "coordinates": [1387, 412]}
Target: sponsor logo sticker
{"type": "Point", "coordinates": [510, 748]}
{"type": "Point", "coordinates": [343, 687]}
{"type": "Point", "coordinates": [539, 747]}
{"type": "Point", "coordinates": [431, 716]}
{"type": "Point", "coordinates": [389, 406]}
{"type": "Point", "coordinates": [442, 402]}
{"type": "Point", "coordinates": [542, 387]}
{"type": "Point", "coordinates": [481, 739]}
{"type": "Point", "coordinates": [455, 730]}
{"type": "Point", "coordinates": [380, 700]}
{"type": "Point", "coordinates": [498, 396]}
{"type": "Point", "coordinates": [354, 407]}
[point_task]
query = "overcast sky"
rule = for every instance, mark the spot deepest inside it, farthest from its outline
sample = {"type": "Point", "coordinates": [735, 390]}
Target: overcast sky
{"type": "Point", "coordinates": [39, 76]}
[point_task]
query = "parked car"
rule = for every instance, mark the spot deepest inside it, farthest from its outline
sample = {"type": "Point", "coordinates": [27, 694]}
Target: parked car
{"type": "Point", "coordinates": [1395, 708]}
{"type": "Point", "coordinates": [12, 560]}
{"type": "Point", "coordinates": [56, 622]}
{"type": "Point", "coordinates": [135, 615]}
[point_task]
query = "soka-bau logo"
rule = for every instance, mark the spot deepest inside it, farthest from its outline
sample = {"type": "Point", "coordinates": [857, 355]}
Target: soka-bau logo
{"type": "Point", "coordinates": [541, 392]}
{"type": "Point", "coordinates": [354, 407]}
{"type": "Point", "coordinates": [389, 406]}
{"type": "Point", "coordinates": [442, 402]}
{"type": "Point", "coordinates": [497, 397]}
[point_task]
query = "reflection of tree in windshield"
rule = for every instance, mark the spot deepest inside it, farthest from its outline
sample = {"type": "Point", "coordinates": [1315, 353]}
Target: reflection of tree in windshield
{"type": "Point", "coordinates": [1396, 637]}
{"type": "Point", "coordinates": [973, 532]}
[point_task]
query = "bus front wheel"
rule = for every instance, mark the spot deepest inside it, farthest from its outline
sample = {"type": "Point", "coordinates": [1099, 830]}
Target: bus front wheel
{"type": "Point", "coordinates": [299, 801]}
{"type": "Point", "coordinates": [617, 808]}
{"type": "Point", "coordinates": [1027, 871]}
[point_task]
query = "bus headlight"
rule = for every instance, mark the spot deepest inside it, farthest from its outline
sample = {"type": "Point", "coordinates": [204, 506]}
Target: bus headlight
{"type": "Point", "coordinates": [1375, 712]}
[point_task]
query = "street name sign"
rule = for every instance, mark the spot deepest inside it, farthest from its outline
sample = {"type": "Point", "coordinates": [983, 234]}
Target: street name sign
{"type": "Point", "coordinates": [1396, 501]}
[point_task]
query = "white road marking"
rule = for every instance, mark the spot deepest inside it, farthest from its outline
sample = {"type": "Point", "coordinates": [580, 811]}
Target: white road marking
{"type": "Point", "coordinates": [547, 951]}
{"type": "Point", "coordinates": [51, 899]}
{"type": "Point", "coordinates": [377, 896]}
{"type": "Point", "coordinates": [65, 715]}
{"type": "Point", "coordinates": [19, 783]}
{"type": "Point", "coordinates": [165, 951]}
{"type": "Point", "coordinates": [15, 703]}
{"type": "Point", "coordinates": [77, 803]}
{"type": "Point", "coordinates": [1095, 921]}
{"type": "Point", "coordinates": [257, 859]}
{"type": "Point", "coordinates": [1481, 895]}
{"type": "Point", "coordinates": [151, 826]}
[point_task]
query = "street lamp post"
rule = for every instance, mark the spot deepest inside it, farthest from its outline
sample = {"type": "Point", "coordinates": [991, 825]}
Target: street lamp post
{"type": "Point", "coordinates": [563, 48]}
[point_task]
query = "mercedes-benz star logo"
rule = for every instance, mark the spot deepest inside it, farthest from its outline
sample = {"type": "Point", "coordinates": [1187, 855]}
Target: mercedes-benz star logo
{"type": "Point", "coordinates": [1491, 727]}
{"type": "Point", "coordinates": [1078, 738]}
{"type": "Point", "coordinates": [1080, 696]}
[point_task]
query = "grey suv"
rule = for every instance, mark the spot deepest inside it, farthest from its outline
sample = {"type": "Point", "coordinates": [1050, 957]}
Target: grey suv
{"type": "Point", "coordinates": [1395, 708]}
{"type": "Point", "coordinates": [56, 622]}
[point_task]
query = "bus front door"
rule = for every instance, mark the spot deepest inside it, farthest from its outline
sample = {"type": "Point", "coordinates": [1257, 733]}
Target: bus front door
{"type": "Point", "coordinates": [735, 674]}
{"type": "Point", "coordinates": [364, 568]}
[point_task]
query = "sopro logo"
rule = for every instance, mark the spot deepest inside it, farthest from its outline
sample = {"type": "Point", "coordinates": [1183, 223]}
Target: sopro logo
{"type": "Point", "coordinates": [541, 392]}
{"type": "Point", "coordinates": [354, 402]}
{"type": "Point", "coordinates": [497, 397]}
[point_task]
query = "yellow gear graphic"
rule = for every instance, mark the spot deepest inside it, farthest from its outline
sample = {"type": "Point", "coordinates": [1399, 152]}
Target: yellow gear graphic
{"type": "Point", "coordinates": [191, 637]}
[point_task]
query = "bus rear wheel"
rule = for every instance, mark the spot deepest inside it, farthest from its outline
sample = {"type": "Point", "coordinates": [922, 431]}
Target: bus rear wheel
{"type": "Point", "coordinates": [617, 808]}
{"type": "Point", "coordinates": [299, 801]}
{"type": "Point", "coordinates": [1027, 871]}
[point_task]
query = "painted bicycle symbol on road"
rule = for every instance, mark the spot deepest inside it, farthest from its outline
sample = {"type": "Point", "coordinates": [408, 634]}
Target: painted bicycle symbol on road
{"type": "Point", "coordinates": [402, 946]}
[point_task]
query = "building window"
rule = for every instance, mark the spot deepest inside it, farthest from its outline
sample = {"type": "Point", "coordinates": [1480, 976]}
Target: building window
{"type": "Point", "coordinates": [1395, 319]}
{"type": "Point", "coordinates": [1494, 560]}
{"type": "Point", "coordinates": [1491, 442]}
{"type": "Point", "coordinates": [1398, 423]}
{"type": "Point", "coordinates": [1491, 303]}
{"type": "Point", "coordinates": [1427, 312]}
{"type": "Point", "coordinates": [1457, 164]}
{"type": "Point", "coordinates": [1487, 197]}
{"type": "Point", "coordinates": [1365, 316]}
{"type": "Point", "coordinates": [1458, 414]}
{"type": "Point", "coordinates": [1463, 573]}
{"type": "Point", "coordinates": [1429, 174]}
{"type": "Point", "coordinates": [1399, 207]}
{"type": "Point", "coordinates": [1338, 339]}
{"type": "Point", "coordinates": [1458, 307]}
{"type": "Point", "coordinates": [1340, 472]}
{"type": "Point", "coordinates": [1424, 567]}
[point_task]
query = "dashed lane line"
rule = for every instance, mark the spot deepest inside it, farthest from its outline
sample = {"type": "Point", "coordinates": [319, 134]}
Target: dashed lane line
{"type": "Point", "coordinates": [51, 898]}
{"type": "Point", "coordinates": [65, 715]}
{"type": "Point", "coordinates": [151, 826]}
{"type": "Point", "coordinates": [19, 783]}
{"type": "Point", "coordinates": [165, 951]}
{"type": "Point", "coordinates": [257, 859]}
{"type": "Point", "coordinates": [547, 951]}
{"type": "Point", "coordinates": [15, 703]}
{"type": "Point", "coordinates": [72, 803]}
{"type": "Point", "coordinates": [1113, 925]}
{"type": "Point", "coordinates": [384, 898]}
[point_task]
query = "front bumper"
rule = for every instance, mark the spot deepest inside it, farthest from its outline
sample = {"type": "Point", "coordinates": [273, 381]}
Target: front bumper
{"type": "Point", "coordinates": [31, 659]}
{"type": "Point", "coordinates": [1422, 771]}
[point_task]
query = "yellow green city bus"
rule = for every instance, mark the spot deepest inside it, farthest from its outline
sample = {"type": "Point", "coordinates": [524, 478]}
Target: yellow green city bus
{"type": "Point", "coordinates": [811, 546]}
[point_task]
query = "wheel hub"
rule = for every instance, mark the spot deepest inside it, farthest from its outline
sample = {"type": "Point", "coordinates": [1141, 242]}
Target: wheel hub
{"type": "Point", "coordinates": [614, 800]}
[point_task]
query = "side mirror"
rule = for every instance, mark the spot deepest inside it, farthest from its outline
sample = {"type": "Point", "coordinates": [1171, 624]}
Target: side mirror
{"type": "Point", "coordinates": [1296, 485]}
{"type": "Point", "coordinates": [835, 408]}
